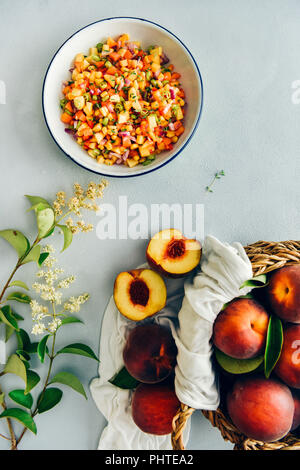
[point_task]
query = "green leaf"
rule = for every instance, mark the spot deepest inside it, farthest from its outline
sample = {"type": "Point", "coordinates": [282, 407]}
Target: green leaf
{"type": "Point", "coordinates": [32, 380]}
{"type": "Point", "coordinates": [7, 317]}
{"type": "Point", "coordinates": [34, 200]}
{"type": "Point", "coordinates": [50, 233]}
{"type": "Point", "coordinates": [15, 366]}
{"type": "Point", "coordinates": [45, 221]}
{"type": "Point", "coordinates": [16, 315]}
{"type": "Point", "coordinates": [17, 240]}
{"type": "Point", "coordinates": [23, 340]}
{"type": "Point", "coordinates": [22, 416]}
{"type": "Point", "coordinates": [8, 332]}
{"type": "Point", "coordinates": [237, 366]}
{"type": "Point", "coordinates": [32, 348]}
{"type": "Point", "coordinates": [19, 397]}
{"type": "Point", "coordinates": [33, 255]}
{"type": "Point", "coordinates": [124, 380]}
{"type": "Point", "coordinates": [274, 344]}
{"type": "Point", "coordinates": [68, 236]}
{"type": "Point", "coordinates": [66, 378]}
{"type": "Point", "coordinates": [19, 284]}
{"type": "Point", "coordinates": [19, 297]}
{"type": "Point", "coordinates": [78, 348]}
{"type": "Point", "coordinates": [256, 282]}
{"type": "Point", "coordinates": [50, 398]}
{"type": "Point", "coordinates": [42, 258]}
{"type": "Point", "coordinates": [23, 355]}
{"type": "Point", "coordinates": [66, 320]}
{"type": "Point", "coordinates": [41, 349]}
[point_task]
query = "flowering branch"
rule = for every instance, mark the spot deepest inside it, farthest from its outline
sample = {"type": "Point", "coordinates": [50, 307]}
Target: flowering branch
{"type": "Point", "coordinates": [46, 320]}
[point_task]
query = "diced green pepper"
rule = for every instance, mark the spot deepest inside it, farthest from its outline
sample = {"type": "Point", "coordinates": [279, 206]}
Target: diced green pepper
{"type": "Point", "coordinates": [63, 103]}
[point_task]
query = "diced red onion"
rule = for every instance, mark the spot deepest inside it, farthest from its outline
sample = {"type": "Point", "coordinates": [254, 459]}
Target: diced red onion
{"type": "Point", "coordinates": [69, 131]}
{"type": "Point", "coordinates": [120, 160]}
{"type": "Point", "coordinates": [127, 82]}
{"type": "Point", "coordinates": [132, 138]}
{"type": "Point", "coordinates": [172, 93]}
{"type": "Point", "coordinates": [121, 85]}
{"type": "Point", "coordinates": [125, 155]}
{"type": "Point", "coordinates": [164, 59]}
{"type": "Point", "coordinates": [171, 126]}
{"type": "Point", "coordinates": [110, 108]}
{"type": "Point", "coordinates": [156, 74]}
{"type": "Point", "coordinates": [113, 154]}
{"type": "Point", "coordinates": [124, 134]}
{"type": "Point", "coordinates": [131, 46]}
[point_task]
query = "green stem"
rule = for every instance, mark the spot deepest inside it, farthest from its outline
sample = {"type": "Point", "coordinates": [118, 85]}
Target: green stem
{"type": "Point", "coordinates": [18, 265]}
{"type": "Point", "coordinates": [35, 411]}
{"type": "Point", "coordinates": [12, 438]}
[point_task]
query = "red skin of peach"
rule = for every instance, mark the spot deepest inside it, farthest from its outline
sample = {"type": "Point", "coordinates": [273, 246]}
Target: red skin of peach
{"type": "Point", "coordinates": [296, 420]}
{"type": "Point", "coordinates": [284, 293]}
{"type": "Point", "coordinates": [262, 409]}
{"type": "Point", "coordinates": [288, 366]}
{"type": "Point", "coordinates": [240, 329]}
{"type": "Point", "coordinates": [154, 407]}
{"type": "Point", "coordinates": [150, 353]}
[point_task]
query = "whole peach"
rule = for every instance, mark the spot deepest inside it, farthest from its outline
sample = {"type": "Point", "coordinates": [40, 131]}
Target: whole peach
{"type": "Point", "coordinates": [288, 365]}
{"type": "Point", "coordinates": [154, 407]}
{"type": "Point", "coordinates": [284, 293]}
{"type": "Point", "coordinates": [262, 409]}
{"type": "Point", "coordinates": [240, 329]}
{"type": "Point", "coordinates": [150, 353]}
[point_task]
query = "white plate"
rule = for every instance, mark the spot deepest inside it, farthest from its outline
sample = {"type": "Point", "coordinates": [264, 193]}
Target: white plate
{"type": "Point", "coordinates": [148, 33]}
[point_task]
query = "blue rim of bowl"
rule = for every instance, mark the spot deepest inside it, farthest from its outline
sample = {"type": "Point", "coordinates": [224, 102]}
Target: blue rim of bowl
{"type": "Point", "coordinates": [196, 123]}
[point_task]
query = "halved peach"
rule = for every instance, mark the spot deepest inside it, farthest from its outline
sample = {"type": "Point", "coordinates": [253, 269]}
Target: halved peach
{"type": "Point", "coordinates": [139, 293]}
{"type": "Point", "coordinates": [171, 254]}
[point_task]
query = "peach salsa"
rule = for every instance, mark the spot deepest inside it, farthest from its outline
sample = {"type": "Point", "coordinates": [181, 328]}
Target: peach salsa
{"type": "Point", "coordinates": [123, 105]}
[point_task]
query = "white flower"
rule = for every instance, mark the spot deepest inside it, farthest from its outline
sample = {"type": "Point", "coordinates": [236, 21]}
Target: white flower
{"type": "Point", "coordinates": [38, 310]}
{"type": "Point", "coordinates": [74, 303]}
{"type": "Point", "coordinates": [65, 283]}
{"type": "Point", "coordinates": [38, 329]}
{"type": "Point", "coordinates": [50, 261]}
{"type": "Point", "coordinates": [48, 249]}
{"type": "Point", "coordinates": [50, 290]}
{"type": "Point", "coordinates": [54, 325]}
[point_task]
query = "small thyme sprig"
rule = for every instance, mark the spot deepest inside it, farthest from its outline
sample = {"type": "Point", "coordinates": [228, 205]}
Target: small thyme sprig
{"type": "Point", "coordinates": [217, 176]}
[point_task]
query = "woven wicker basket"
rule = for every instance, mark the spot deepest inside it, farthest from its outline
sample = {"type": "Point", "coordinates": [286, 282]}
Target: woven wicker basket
{"type": "Point", "coordinates": [264, 257]}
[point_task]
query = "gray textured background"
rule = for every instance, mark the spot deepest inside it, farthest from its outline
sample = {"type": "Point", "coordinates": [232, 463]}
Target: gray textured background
{"type": "Point", "coordinates": [248, 54]}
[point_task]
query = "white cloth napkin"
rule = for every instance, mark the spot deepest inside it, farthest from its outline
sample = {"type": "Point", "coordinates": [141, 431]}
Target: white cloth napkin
{"type": "Point", "coordinates": [223, 269]}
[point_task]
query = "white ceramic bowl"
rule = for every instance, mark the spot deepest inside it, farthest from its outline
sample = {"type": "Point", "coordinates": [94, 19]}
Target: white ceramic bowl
{"type": "Point", "coordinates": [148, 33]}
